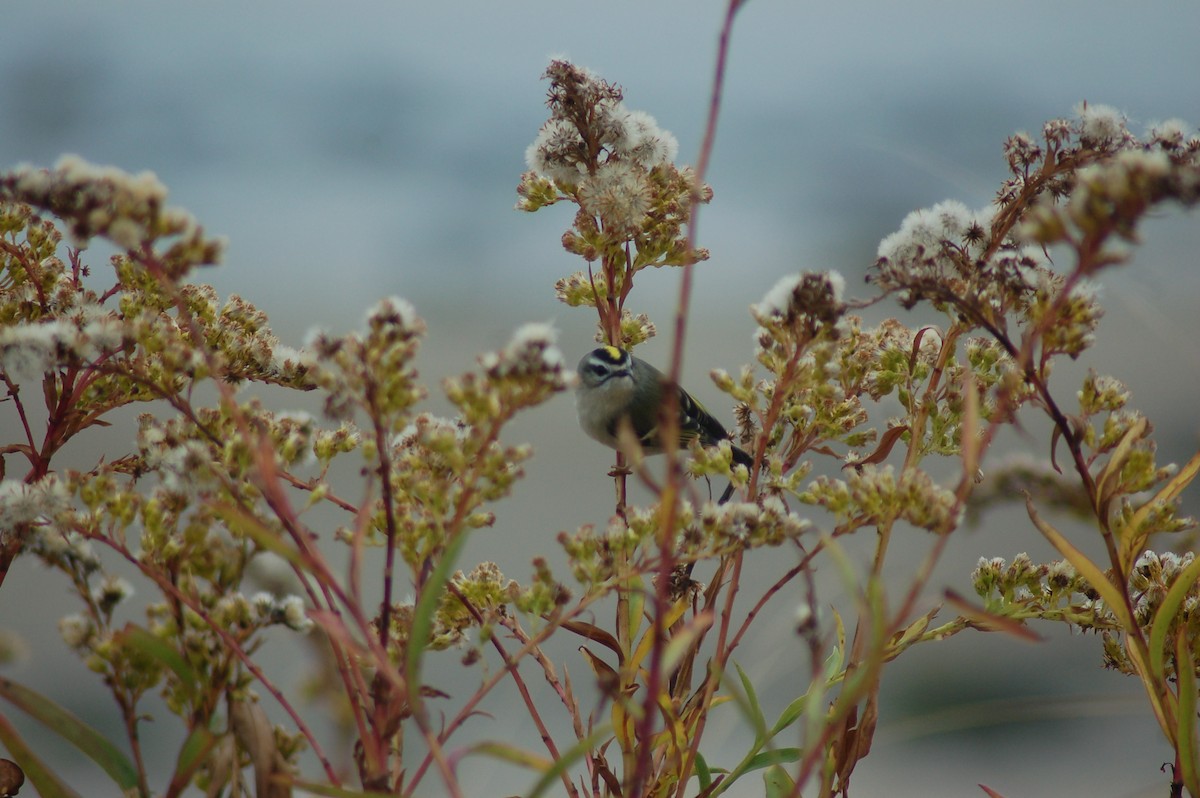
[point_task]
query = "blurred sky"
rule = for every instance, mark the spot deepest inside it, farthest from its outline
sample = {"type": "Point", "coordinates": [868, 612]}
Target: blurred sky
{"type": "Point", "coordinates": [355, 150]}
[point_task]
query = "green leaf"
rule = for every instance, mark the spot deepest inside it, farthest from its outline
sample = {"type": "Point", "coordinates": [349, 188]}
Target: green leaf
{"type": "Point", "coordinates": [1167, 612]}
{"type": "Point", "coordinates": [1110, 475]}
{"type": "Point", "coordinates": [857, 681]}
{"type": "Point", "coordinates": [791, 713]}
{"type": "Point", "coordinates": [1185, 740]}
{"type": "Point", "coordinates": [514, 754]}
{"type": "Point", "coordinates": [703, 774]}
{"type": "Point", "coordinates": [778, 784]}
{"type": "Point", "coordinates": [809, 703]}
{"type": "Point", "coordinates": [41, 777]}
{"type": "Point", "coordinates": [73, 730]}
{"type": "Point", "coordinates": [337, 792]}
{"type": "Point", "coordinates": [155, 648]}
{"type": "Point", "coordinates": [813, 710]}
{"type": "Point", "coordinates": [426, 609]}
{"type": "Point", "coordinates": [568, 758]}
{"type": "Point", "coordinates": [192, 754]}
{"type": "Point", "coordinates": [752, 708]}
{"type": "Point", "coordinates": [905, 638]}
{"type": "Point", "coordinates": [769, 759]}
{"type": "Point", "coordinates": [1133, 537]}
{"type": "Point", "coordinates": [836, 659]}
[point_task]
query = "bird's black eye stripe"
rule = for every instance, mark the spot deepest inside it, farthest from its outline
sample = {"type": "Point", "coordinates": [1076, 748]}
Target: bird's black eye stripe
{"type": "Point", "coordinates": [598, 369]}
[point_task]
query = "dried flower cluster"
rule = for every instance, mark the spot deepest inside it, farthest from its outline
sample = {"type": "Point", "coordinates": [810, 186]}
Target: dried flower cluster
{"type": "Point", "coordinates": [1023, 590]}
{"type": "Point", "coordinates": [617, 165]}
{"type": "Point", "coordinates": [129, 210]}
{"type": "Point", "coordinates": [1088, 180]}
{"type": "Point", "coordinates": [206, 493]}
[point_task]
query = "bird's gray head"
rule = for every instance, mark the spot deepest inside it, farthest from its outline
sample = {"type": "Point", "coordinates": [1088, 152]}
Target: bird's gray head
{"type": "Point", "coordinates": [601, 365]}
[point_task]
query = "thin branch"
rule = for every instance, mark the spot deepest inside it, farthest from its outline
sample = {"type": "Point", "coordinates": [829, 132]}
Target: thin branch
{"type": "Point", "coordinates": [233, 645]}
{"type": "Point", "coordinates": [468, 709]}
{"type": "Point", "coordinates": [670, 430]}
{"type": "Point", "coordinates": [511, 666]}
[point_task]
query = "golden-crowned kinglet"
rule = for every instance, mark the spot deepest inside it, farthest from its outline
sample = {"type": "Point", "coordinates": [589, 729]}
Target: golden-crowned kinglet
{"type": "Point", "coordinates": [615, 385]}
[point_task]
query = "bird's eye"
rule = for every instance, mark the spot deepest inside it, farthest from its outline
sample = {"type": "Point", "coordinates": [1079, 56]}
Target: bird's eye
{"type": "Point", "coordinates": [599, 369]}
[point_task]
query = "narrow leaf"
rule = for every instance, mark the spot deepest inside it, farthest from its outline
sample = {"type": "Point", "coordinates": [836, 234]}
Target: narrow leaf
{"type": "Point", "coordinates": [703, 774]}
{"type": "Point", "coordinates": [646, 645]}
{"type": "Point", "coordinates": [673, 737]}
{"type": "Point", "coordinates": [904, 638]}
{"type": "Point", "coordinates": [1095, 577]}
{"type": "Point", "coordinates": [791, 713]}
{"type": "Point", "coordinates": [1167, 612]}
{"type": "Point", "coordinates": [73, 730]}
{"type": "Point", "coordinates": [883, 449]}
{"type": "Point", "coordinates": [1163, 702]}
{"type": "Point", "coordinates": [155, 648]}
{"type": "Point", "coordinates": [511, 753]}
{"type": "Point", "coordinates": [1106, 483]}
{"type": "Point", "coordinates": [317, 788]}
{"type": "Point", "coordinates": [41, 777]}
{"type": "Point", "coordinates": [836, 658]}
{"type": "Point", "coordinates": [990, 621]}
{"type": "Point", "coordinates": [635, 600]}
{"type": "Point", "coordinates": [622, 726]}
{"type": "Point", "coordinates": [607, 677]}
{"type": "Point", "coordinates": [1185, 740]}
{"type": "Point", "coordinates": [916, 345]}
{"type": "Point", "coordinates": [778, 783]}
{"type": "Point", "coordinates": [568, 758]}
{"type": "Point", "coordinates": [683, 641]}
{"type": "Point", "coordinates": [595, 634]}
{"type": "Point", "coordinates": [1054, 436]}
{"type": "Point", "coordinates": [425, 610]}
{"type": "Point", "coordinates": [752, 707]}
{"type": "Point", "coordinates": [194, 753]}
{"type": "Point", "coordinates": [1134, 538]}
{"type": "Point", "coordinates": [814, 709]}
{"type": "Point", "coordinates": [609, 682]}
{"type": "Point", "coordinates": [771, 758]}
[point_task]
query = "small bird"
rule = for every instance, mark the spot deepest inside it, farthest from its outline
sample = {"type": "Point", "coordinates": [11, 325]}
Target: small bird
{"type": "Point", "coordinates": [615, 385]}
